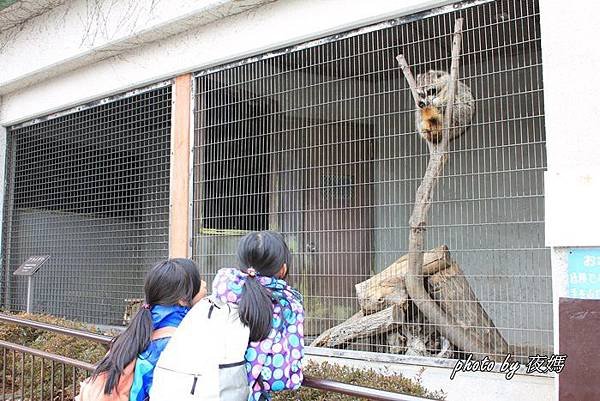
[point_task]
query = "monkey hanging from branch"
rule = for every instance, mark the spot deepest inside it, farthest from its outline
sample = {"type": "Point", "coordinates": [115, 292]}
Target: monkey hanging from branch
{"type": "Point", "coordinates": [432, 99]}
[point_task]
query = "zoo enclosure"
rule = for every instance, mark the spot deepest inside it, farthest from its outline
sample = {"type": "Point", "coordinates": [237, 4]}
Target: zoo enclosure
{"type": "Point", "coordinates": [317, 141]}
{"type": "Point", "coordinates": [90, 188]}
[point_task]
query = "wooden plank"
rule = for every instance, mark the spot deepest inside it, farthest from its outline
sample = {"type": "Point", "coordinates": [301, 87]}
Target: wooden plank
{"type": "Point", "coordinates": [179, 207]}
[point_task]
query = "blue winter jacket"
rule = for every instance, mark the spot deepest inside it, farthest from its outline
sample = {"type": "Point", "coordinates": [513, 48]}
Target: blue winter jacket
{"type": "Point", "coordinates": [162, 316]}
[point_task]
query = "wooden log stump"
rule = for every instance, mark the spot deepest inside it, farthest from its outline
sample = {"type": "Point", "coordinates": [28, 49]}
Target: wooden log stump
{"type": "Point", "coordinates": [357, 327]}
{"type": "Point", "coordinates": [451, 290]}
{"type": "Point", "coordinates": [387, 287]}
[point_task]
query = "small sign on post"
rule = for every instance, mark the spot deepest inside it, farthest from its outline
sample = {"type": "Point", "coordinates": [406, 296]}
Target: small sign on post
{"type": "Point", "coordinates": [29, 268]}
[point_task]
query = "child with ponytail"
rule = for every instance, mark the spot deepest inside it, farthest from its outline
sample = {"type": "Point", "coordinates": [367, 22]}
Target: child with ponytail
{"type": "Point", "coordinates": [171, 288]}
{"type": "Point", "coordinates": [271, 309]}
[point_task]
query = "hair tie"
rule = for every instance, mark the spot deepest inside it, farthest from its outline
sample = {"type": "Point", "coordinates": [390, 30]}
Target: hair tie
{"type": "Point", "coordinates": [251, 272]}
{"type": "Point", "coordinates": [146, 306]}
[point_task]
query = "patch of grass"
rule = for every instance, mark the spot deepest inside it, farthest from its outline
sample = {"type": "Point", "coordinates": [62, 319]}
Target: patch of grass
{"type": "Point", "coordinates": [41, 379]}
{"type": "Point", "coordinates": [360, 377]}
{"type": "Point", "coordinates": [92, 352]}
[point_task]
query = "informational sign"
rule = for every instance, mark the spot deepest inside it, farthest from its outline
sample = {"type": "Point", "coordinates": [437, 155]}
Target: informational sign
{"type": "Point", "coordinates": [31, 265]}
{"type": "Point", "coordinates": [584, 273]}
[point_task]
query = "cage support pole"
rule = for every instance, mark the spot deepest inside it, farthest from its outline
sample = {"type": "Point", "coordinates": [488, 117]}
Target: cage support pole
{"type": "Point", "coordinates": [179, 184]}
{"type": "Point", "coordinates": [458, 335]}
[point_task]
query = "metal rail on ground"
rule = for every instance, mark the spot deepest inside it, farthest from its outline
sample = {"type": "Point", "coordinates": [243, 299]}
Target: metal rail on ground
{"type": "Point", "coordinates": [17, 357]}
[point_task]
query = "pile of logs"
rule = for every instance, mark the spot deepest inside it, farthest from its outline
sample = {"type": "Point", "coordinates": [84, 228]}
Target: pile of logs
{"type": "Point", "coordinates": [388, 317]}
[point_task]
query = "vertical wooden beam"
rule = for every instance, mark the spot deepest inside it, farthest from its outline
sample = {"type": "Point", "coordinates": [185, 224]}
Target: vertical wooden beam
{"type": "Point", "coordinates": [179, 206]}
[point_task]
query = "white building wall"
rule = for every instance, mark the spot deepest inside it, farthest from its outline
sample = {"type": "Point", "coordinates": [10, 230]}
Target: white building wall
{"type": "Point", "coordinates": [571, 82]}
{"type": "Point", "coordinates": [90, 31]}
{"type": "Point", "coordinates": [266, 28]}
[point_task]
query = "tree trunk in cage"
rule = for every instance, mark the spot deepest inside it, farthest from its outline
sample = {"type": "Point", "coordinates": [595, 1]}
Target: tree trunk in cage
{"type": "Point", "coordinates": [451, 290]}
{"type": "Point", "coordinates": [360, 326]}
{"type": "Point", "coordinates": [387, 287]}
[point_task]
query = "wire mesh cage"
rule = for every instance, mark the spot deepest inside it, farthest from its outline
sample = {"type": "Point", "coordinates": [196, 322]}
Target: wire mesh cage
{"type": "Point", "coordinates": [319, 142]}
{"type": "Point", "coordinates": [89, 188]}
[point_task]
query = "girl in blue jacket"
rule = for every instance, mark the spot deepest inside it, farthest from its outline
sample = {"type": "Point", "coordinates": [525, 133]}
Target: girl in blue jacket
{"type": "Point", "coordinates": [171, 288]}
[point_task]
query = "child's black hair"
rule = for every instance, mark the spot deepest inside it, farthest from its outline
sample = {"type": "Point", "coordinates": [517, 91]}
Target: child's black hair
{"type": "Point", "coordinates": [266, 252]}
{"type": "Point", "coordinates": [167, 283]}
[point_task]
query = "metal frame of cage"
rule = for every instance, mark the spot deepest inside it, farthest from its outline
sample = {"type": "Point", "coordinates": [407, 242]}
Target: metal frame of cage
{"type": "Point", "coordinates": [107, 311]}
{"type": "Point", "coordinates": [435, 12]}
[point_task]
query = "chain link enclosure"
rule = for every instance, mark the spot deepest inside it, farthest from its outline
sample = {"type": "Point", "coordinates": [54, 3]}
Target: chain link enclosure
{"type": "Point", "coordinates": [90, 188]}
{"type": "Point", "coordinates": [318, 141]}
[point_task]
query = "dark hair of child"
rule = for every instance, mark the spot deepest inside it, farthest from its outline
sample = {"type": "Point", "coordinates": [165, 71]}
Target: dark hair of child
{"type": "Point", "coordinates": [266, 252]}
{"type": "Point", "coordinates": [168, 283]}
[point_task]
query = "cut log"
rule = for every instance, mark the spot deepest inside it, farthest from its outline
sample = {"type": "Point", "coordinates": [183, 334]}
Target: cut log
{"type": "Point", "coordinates": [451, 290]}
{"type": "Point", "coordinates": [415, 346]}
{"type": "Point", "coordinates": [357, 327]}
{"type": "Point", "coordinates": [445, 348]}
{"type": "Point", "coordinates": [387, 287]}
{"type": "Point", "coordinates": [396, 342]}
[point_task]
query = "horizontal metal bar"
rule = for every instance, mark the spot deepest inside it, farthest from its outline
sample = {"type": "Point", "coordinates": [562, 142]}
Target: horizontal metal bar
{"type": "Point", "coordinates": [357, 391]}
{"type": "Point", "coordinates": [56, 329]}
{"type": "Point", "coordinates": [46, 355]}
{"type": "Point", "coordinates": [319, 384]}
{"type": "Point", "coordinates": [92, 104]}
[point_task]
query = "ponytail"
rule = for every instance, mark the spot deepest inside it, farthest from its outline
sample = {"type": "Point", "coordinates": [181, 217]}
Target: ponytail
{"type": "Point", "coordinates": [167, 283]}
{"type": "Point", "coordinates": [256, 309]}
{"type": "Point", "coordinates": [125, 348]}
{"type": "Point", "coordinates": [266, 252]}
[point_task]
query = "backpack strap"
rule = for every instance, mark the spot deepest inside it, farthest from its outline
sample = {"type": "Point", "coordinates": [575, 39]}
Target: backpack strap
{"type": "Point", "coordinates": [163, 332]}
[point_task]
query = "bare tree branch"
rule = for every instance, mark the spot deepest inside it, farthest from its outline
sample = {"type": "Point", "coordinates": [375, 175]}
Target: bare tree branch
{"type": "Point", "coordinates": [410, 79]}
{"type": "Point", "coordinates": [448, 328]}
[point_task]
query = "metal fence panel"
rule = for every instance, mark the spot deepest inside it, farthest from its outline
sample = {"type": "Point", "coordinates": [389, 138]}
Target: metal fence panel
{"type": "Point", "coordinates": [319, 142]}
{"type": "Point", "coordinates": [91, 189]}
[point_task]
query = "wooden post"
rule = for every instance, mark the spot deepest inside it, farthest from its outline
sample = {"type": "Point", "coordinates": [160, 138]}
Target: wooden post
{"type": "Point", "coordinates": [179, 187]}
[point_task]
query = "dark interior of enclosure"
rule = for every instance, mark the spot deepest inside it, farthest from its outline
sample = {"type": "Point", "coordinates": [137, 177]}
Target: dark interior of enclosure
{"type": "Point", "coordinates": [90, 189]}
{"type": "Point", "coordinates": [229, 202]}
{"type": "Point", "coordinates": [322, 138]}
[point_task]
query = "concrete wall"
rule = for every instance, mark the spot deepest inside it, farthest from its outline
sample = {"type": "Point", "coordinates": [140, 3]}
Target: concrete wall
{"type": "Point", "coordinates": [229, 39]}
{"type": "Point", "coordinates": [92, 31]}
{"type": "Point", "coordinates": [466, 386]}
{"type": "Point", "coordinates": [571, 62]}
